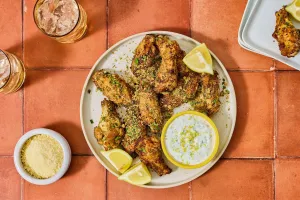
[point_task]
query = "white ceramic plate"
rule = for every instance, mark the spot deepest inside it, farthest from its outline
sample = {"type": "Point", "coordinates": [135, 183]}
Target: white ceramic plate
{"type": "Point", "coordinates": [249, 7]}
{"type": "Point", "coordinates": [259, 28]}
{"type": "Point", "coordinates": [118, 59]}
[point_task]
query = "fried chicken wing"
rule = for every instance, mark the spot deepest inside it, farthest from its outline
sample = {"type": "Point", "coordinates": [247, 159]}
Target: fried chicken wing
{"type": "Point", "coordinates": [112, 86]}
{"type": "Point", "coordinates": [186, 90]}
{"type": "Point", "coordinates": [146, 60]}
{"type": "Point", "coordinates": [135, 129]}
{"type": "Point", "coordinates": [150, 109]}
{"type": "Point", "coordinates": [207, 99]}
{"type": "Point", "coordinates": [150, 152]}
{"type": "Point", "coordinates": [287, 36]}
{"type": "Point", "coordinates": [109, 132]}
{"type": "Point", "coordinates": [166, 78]}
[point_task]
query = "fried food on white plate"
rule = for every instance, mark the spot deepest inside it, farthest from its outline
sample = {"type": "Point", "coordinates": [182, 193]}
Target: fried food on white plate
{"type": "Point", "coordinates": [109, 131]}
{"type": "Point", "coordinates": [114, 87]}
{"type": "Point", "coordinates": [287, 36]}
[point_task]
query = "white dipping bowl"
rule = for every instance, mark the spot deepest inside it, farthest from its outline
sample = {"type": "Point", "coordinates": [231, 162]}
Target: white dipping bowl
{"type": "Point", "coordinates": [65, 165]}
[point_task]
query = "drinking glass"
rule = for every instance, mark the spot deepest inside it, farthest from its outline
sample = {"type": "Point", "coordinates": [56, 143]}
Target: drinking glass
{"type": "Point", "coordinates": [12, 73]}
{"type": "Point", "coordinates": [62, 20]}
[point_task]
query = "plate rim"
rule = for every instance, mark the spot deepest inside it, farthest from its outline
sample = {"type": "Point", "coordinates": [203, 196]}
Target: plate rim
{"type": "Point", "coordinates": [172, 34]}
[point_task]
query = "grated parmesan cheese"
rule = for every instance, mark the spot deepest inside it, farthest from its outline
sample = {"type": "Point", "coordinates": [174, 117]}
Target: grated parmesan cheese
{"type": "Point", "coordinates": [42, 156]}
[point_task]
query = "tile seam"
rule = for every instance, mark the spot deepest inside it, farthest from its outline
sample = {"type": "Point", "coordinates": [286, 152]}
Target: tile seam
{"type": "Point", "coordinates": [190, 18]}
{"type": "Point", "coordinates": [22, 28]}
{"type": "Point", "coordinates": [253, 158]}
{"type": "Point", "coordinates": [274, 180]}
{"type": "Point", "coordinates": [275, 115]}
{"type": "Point", "coordinates": [107, 23]}
{"type": "Point", "coordinates": [190, 190]}
{"type": "Point", "coordinates": [57, 69]}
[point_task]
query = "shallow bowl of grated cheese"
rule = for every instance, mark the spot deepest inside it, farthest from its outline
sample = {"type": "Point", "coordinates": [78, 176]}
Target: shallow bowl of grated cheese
{"type": "Point", "coordinates": [42, 156]}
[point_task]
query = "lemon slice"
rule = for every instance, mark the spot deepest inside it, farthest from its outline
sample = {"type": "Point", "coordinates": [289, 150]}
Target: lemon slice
{"type": "Point", "coordinates": [120, 159]}
{"type": "Point", "coordinates": [294, 9]}
{"type": "Point", "coordinates": [137, 175]}
{"type": "Point", "coordinates": [199, 60]}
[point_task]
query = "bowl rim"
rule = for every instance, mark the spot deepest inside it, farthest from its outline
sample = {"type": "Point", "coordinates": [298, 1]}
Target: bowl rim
{"type": "Point", "coordinates": [66, 151]}
{"type": "Point", "coordinates": [209, 158]}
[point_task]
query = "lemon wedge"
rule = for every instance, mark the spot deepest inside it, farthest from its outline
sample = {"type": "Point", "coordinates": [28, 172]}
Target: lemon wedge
{"type": "Point", "coordinates": [294, 9]}
{"type": "Point", "coordinates": [199, 60]}
{"type": "Point", "coordinates": [137, 175]}
{"type": "Point", "coordinates": [120, 159]}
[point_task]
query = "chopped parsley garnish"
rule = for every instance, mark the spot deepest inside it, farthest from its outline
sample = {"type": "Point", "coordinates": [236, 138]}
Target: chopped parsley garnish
{"type": "Point", "coordinates": [136, 61]}
{"type": "Point", "coordinates": [91, 121]}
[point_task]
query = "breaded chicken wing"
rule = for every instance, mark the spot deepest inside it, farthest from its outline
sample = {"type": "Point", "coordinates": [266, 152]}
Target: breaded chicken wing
{"type": "Point", "coordinates": [207, 99]}
{"type": "Point", "coordinates": [150, 152]}
{"type": "Point", "coordinates": [112, 86]}
{"type": "Point", "coordinates": [166, 78]}
{"type": "Point", "coordinates": [109, 132]}
{"type": "Point", "coordinates": [146, 60]}
{"type": "Point", "coordinates": [287, 36]}
{"type": "Point", "coordinates": [150, 109]}
{"type": "Point", "coordinates": [135, 129]}
{"type": "Point", "coordinates": [186, 90]}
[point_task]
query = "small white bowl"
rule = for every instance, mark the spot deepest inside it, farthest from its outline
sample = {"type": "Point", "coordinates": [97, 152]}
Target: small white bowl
{"type": "Point", "coordinates": [65, 165]}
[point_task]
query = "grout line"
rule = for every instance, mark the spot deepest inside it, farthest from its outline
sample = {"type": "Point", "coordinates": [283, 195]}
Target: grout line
{"type": "Point", "coordinates": [250, 70]}
{"type": "Point", "coordinates": [106, 185]}
{"type": "Point", "coordinates": [22, 28]}
{"type": "Point", "coordinates": [258, 158]}
{"type": "Point", "coordinates": [190, 20]}
{"type": "Point", "coordinates": [275, 115]}
{"type": "Point", "coordinates": [107, 15]}
{"type": "Point", "coordinates": [190, 190]}
{"type": "Point", "coordinates": [22, 188]}
{"type": "Point", "coordinates": [57, 69]}
{"type": "Point", "coordinates": [274, 180]}
{"type": "Point", "coordinates": [288, 157]}
{"type": "Point", "coordinates": [23, 110]}
{"type": "Point", "coordinates": [6, 156]}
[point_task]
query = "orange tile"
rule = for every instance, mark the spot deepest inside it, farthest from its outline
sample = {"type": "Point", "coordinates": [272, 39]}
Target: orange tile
{"type": "Point", "coordinates": [84, 180]}
{"type": "Point", "coordinates": [121, 190]}
{"type": "Point", "coordinates": [11, 27]}
{"type": "Point", "coordinates": [216, 23]}
{"type": "Point", "coordinates": [11, 127]}
{"type": "Point", "coordinates": [10, 180]}
{"type": "Point", "coordinates": [288, 136]}
{"type": "Point", "coordinates": [254, 131]}
{"type": "Point", "coordinates": [126, 18]}
{"type": "Point", "coordinates": [52, 100]}
{"type": "Point", "coordinates": [287, 179]}
{"type": "Point", "coordinates": [235, 179]}
{"type": "Point", "coordinates": [41, 51]}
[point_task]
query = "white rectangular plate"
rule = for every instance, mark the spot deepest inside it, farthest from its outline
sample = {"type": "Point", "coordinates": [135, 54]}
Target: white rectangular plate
{"type": "Point", "coordinates": [259, 28]}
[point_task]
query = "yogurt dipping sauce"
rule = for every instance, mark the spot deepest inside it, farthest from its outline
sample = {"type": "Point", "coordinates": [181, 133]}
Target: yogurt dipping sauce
{"type": "Point", "coordinates": [190, 139]}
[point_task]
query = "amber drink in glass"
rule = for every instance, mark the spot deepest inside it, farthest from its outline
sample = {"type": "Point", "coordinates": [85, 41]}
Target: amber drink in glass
{"type": "Point", "coordinates": [12, 73]}
{"type": "Point", "coordinates": [62, 20]}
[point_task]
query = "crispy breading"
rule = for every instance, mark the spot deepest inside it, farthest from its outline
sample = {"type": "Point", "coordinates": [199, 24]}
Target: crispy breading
{"type": "Point", "coordinates": [114, 87]}
{"type": "Point", "coordinates": [150, 152]}
{"type": "Point", "coordinates": [287, 36]}
{"type": "Point", "coordinates": [166, 78]}
{"type": "Point", "coordinates": [109, 131]}
{"type": "Point", "coordinates": [146, 60]}
{"type": "Point", "coordinates": [135, 129]}
{"type": "Point", "coordinates": [207, 99]}
{"type": "Point", "coordinates": [186, 90]}
{"type": "Point", "coordinates": [150, 109]}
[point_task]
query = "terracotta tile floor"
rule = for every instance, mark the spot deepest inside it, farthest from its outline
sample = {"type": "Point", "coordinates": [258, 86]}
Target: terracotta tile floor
{"type": "Point", "coordinates": [263, 158]}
